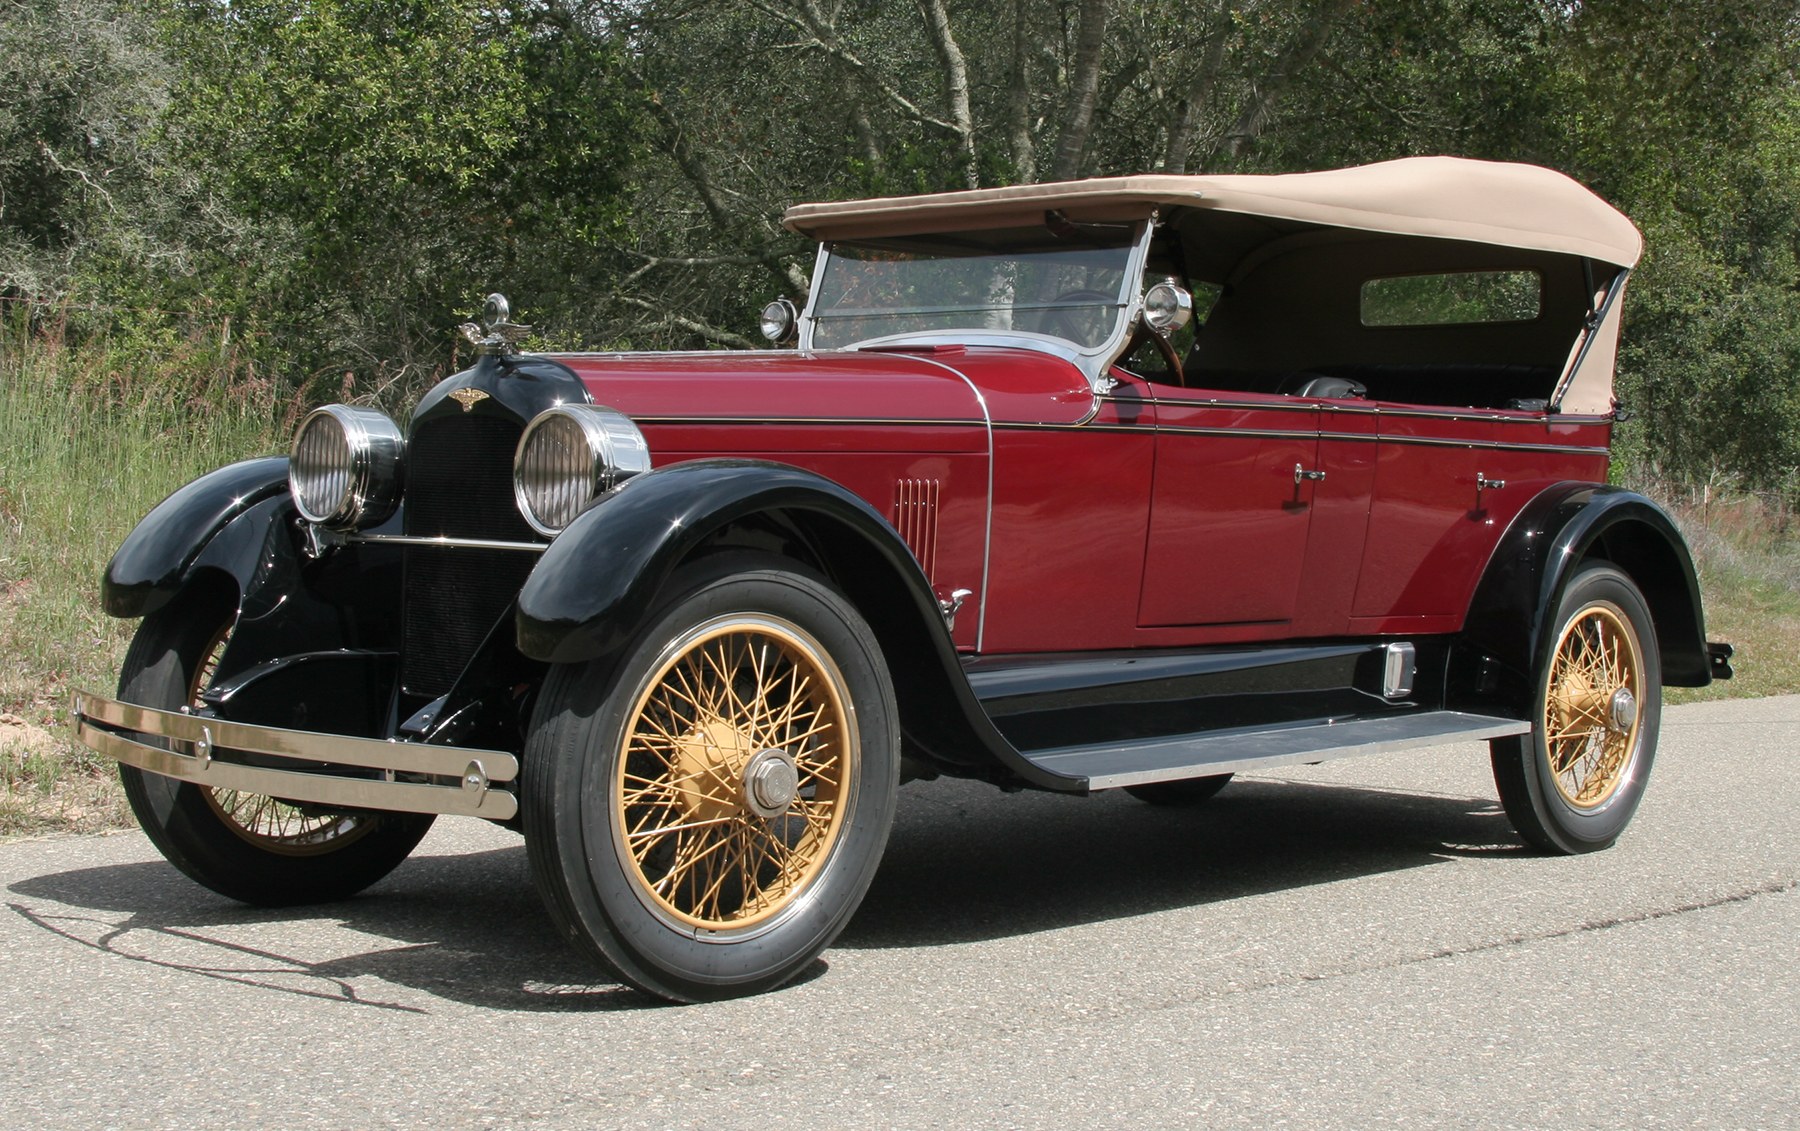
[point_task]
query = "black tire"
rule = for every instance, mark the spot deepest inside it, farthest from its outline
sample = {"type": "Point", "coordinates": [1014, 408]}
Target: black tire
{"type": "Point", "coordinates": [1180, 794]}
{"type": "Point", "coordinates": [250, 848]}
{"type": "Point", "coordinates": [1572, 784]}
{"type": "Point", "coordinates": [652, 838]}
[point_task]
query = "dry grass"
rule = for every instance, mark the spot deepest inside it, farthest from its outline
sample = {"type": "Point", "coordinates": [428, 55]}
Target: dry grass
{"type": "Point", "coordinates": [88, 444]}
{"type": "Point", "coordinates": [1746, 550]}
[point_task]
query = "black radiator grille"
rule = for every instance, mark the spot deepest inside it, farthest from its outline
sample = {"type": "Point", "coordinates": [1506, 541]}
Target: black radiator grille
{"type": "Point", "coordinates": [458, 485]}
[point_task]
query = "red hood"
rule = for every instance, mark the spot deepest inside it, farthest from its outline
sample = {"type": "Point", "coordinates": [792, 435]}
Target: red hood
{"type": "Point", "coordinates": [916, 385]}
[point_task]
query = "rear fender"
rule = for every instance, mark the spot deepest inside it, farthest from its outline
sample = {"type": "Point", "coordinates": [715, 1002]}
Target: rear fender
{"type": "Point", "coordinates": [1505, 635]}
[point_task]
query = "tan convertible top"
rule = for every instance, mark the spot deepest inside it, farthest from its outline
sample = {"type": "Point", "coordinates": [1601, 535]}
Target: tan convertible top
{"type": "Point", "coordinates": [1490, 202]}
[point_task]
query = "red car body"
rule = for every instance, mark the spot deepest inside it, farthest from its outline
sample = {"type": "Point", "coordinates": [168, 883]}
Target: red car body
{"type": "Point", "coordinates": [687, 619]}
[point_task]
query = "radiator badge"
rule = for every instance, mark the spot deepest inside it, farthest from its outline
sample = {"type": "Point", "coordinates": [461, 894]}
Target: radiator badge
{"type": "Point", "coordinates": [468, 398]}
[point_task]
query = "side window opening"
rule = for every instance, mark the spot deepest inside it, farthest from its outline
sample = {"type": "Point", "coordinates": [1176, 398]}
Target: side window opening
{"type": "Point", "coordinates": [1459, 298]}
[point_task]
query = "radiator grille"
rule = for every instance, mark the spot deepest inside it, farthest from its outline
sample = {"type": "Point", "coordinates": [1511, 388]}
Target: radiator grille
{"type": "Point", "coordinates": [458, 485]}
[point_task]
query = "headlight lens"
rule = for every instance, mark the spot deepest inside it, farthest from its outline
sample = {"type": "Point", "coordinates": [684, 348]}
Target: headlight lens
{"type": "Point", "coordinates": [571, 455]}
{"type": "Point", "coordinates": [345, 467]}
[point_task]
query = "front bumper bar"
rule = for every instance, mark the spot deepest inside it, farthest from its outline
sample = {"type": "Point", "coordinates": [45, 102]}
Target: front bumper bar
{"type": "Point", "coordinates": [326, 769]}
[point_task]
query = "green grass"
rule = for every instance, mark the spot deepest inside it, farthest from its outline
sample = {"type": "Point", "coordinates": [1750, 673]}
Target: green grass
{"type": "Point", "coordinates": [91, 437]}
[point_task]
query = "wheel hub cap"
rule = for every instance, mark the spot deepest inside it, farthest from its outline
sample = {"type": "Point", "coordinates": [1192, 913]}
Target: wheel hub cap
{"type": "Point", "coordinates": [771, 782]}
{"type": "Point", "coordinates": [1624, 710]}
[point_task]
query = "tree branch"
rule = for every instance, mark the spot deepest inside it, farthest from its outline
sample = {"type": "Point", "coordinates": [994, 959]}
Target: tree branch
{"type": "Point", "coordinates": [693, 325]}
{"type": "Point", "coordinates": [1304, 48]}
{"type": "Point", "coordinates": [1199, 91]}
{"type": "Point", "coordinates": [805, 16]}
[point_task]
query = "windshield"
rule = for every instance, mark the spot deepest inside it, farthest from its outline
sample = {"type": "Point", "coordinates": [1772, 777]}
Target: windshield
{"type": "Point", "coordinates": [1029, 280]}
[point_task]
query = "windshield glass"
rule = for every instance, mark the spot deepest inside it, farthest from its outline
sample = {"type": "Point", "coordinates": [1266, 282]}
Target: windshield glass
{"type": "Point", "coordinates": [1028, 280]}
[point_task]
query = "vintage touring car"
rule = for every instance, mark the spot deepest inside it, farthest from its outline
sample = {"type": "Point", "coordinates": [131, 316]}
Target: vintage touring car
{"type": "Point", "coordinates": [1122, 483]}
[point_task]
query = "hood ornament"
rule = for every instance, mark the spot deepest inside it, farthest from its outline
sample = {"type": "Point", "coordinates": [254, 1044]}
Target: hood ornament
{"type": "Point", "coordinates": [497, 333]}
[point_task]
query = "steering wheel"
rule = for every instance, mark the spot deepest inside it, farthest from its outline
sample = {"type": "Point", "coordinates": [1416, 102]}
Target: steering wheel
{"type": "Point", "coordinates": [1064, 323]}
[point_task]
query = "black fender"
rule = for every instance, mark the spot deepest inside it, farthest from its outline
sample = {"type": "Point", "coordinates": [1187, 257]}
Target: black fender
{"type": "Point", "coordinates": [236, 528]}
{"type": "Point", "coordinates": [595, 588]}
{"type": "Point", "coordinates": [162, 552]}
{"type": "Point", "coordinates": [1504, 637]}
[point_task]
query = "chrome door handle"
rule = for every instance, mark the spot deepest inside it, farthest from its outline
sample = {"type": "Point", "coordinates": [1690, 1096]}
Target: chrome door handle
{"type": "Point", "coordinates": [1483, 483]}
{"type": "Point", "coordinates": [1301, 474]}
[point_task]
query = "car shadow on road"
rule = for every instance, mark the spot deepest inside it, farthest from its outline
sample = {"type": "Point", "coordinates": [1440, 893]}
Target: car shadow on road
{"type": "Point", "coordinates": [1037, 862]}
{"type": "Point", "coordinates": [965, 863]}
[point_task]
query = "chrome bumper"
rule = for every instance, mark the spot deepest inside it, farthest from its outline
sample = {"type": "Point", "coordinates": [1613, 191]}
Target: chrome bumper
{"type": "Point", "coordinates": [203, 751]}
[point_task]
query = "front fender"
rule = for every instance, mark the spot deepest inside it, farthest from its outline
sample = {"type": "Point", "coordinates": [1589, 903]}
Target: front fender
{"type": "Point", "coordinates": [160, 553]}
{"type": "Point", "coordinates": [1553, 535]}
{"type": "Point", "coordinates": [595, 587]}
{"type": "Point", "coordinates": [592, 589]}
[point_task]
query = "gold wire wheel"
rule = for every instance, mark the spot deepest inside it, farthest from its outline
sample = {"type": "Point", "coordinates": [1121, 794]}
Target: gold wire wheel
{"type": "Point", "coordinates": [739, 756]}
{"type": "Point", "coordinates": [1594, 705]}
{"type": "Point", "coordinates": [269, 824]}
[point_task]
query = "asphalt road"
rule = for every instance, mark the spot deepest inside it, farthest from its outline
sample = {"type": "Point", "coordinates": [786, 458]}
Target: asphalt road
{"type": "Point", "coordinates": [1357, 944]}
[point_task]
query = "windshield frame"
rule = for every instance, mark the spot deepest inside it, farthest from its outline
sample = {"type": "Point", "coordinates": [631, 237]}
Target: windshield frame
{"type": "Point", "coordinates": [1094, 361]}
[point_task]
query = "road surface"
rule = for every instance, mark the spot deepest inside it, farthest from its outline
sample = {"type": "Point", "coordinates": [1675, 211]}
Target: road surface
{"type": "Point", "coordinates": [1364, 943]}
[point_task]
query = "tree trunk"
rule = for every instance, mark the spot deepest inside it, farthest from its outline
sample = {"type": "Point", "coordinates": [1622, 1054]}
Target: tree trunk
{"type": "Point", "coordinates": [1084, 86]}
{"type": "Point", "coordinates": [1199, 92]}
{"type": "Point", "coordinates": [1018, 96]}
{"type": "Point", "coordinates": [956, 84]}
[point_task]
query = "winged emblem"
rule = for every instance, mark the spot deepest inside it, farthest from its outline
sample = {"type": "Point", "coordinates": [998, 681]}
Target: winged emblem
{"type": "Point", "coordinates": [468, 398]}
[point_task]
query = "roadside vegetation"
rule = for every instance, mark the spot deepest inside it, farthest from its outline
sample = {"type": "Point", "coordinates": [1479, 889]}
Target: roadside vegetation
{"type": "Point", "coordinates": [213, 216]}
{"type": "Point", "coordinates": [91, 437]}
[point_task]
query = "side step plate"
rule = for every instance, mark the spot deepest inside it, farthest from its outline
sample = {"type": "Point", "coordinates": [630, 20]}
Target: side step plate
{"type": "Point", "coordinates": [1192, 756]}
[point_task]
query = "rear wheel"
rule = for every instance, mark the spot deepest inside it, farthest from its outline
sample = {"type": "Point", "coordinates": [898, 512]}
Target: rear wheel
{"type": "Point", "coordinates": [1573, 783]}
{"type": "Point", "coordinates": [705, 818]}
{"type": "Point", "coordinates": [1193, 791]}
{"type": "Point", "coordinates": [250, 847]}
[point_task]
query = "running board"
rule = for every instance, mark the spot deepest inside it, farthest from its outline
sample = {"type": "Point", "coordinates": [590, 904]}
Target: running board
{"type": "Point", "coordinates": [1201, 755]}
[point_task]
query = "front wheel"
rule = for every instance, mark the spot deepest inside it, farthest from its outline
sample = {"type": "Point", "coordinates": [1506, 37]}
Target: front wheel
{"type": "Point", "coordinates": [704, 817]}
{"type": "Point", "coordinates": [1573, 783]}
{"type": "Point", "coordinates": [251, 848]}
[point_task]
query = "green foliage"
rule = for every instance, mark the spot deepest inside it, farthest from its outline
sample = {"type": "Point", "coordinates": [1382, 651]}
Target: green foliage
{"type": "Point", "coordinates": [339, 181]}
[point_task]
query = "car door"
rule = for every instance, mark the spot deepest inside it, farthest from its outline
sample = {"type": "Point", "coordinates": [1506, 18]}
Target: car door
{"type": "Point", "coordinates": [1231, 508]}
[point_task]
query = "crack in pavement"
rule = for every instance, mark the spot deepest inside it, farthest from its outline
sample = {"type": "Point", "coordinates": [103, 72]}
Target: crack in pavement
{"type": "Point", "coordinates": [1778, 887]}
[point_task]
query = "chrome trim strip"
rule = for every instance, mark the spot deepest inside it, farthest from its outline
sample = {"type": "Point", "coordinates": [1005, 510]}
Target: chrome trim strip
{"type": "Point", "coordinates": [447, 543]}
{"type": "Point", "coordinates": [476, 771]}
{"type": "Point", "coordinates": [987, 533]}
{"type": "Point", "coordinates": [1326, 435]}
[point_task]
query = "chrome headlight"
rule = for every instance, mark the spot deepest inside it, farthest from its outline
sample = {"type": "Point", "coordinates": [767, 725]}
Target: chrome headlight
{"type": "Point", "coordinates": [344, 470]}
{"type": "Point", "coordinates": [571, 455]}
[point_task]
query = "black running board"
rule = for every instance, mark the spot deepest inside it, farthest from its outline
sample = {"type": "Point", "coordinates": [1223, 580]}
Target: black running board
{"type": "Point", "coordinates": [1193, 756]}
